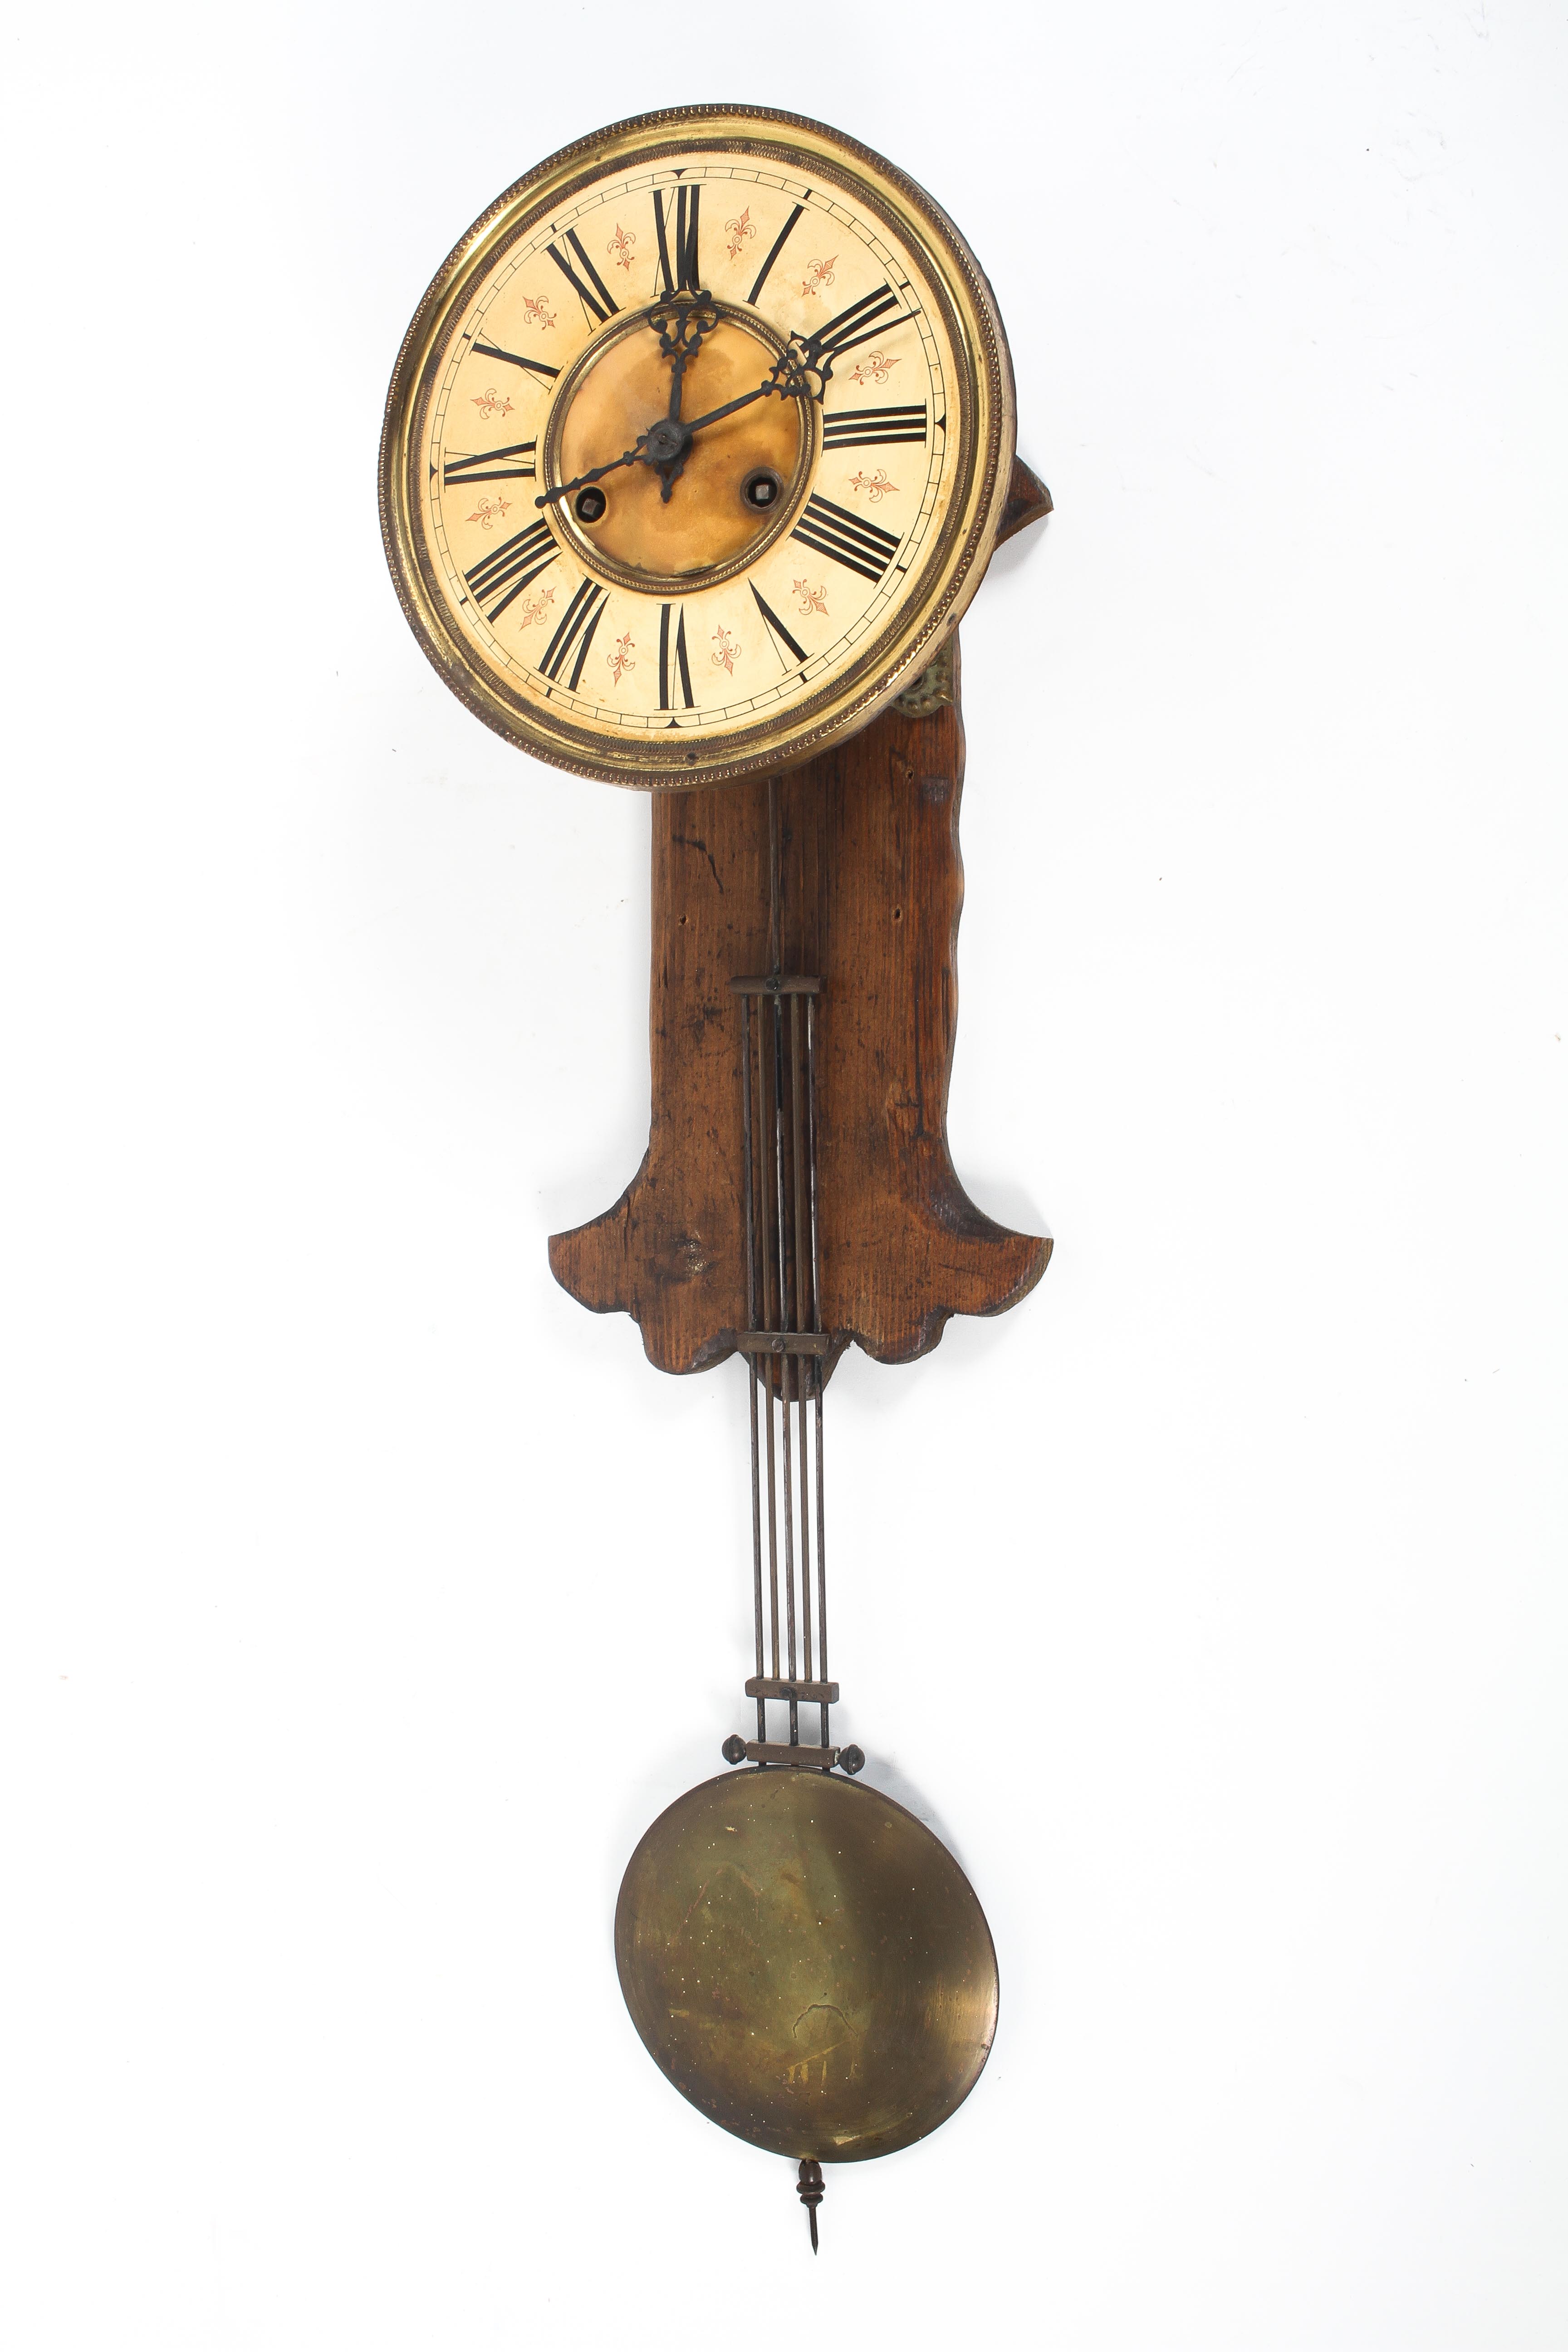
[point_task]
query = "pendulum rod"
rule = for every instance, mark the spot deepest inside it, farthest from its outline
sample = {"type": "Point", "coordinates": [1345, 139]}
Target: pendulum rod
{"type": "Point", "coordinates": [752, 1324]}
{"type": "Point", "coordinates": [817, 1367]}
{"type": "Point", "coordinates": [784, 1343]}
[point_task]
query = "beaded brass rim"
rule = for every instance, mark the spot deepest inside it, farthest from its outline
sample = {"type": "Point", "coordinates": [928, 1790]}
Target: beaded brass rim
{"type": "Point", "coordinates": [947, 574]}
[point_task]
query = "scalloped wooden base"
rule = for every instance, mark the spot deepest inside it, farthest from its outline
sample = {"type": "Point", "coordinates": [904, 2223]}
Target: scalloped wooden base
{"type": "Point", "coordinates": [871, 886]}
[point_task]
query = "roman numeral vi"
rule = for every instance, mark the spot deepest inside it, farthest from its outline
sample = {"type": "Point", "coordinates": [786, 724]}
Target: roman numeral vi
{"type": "Point", "coordinates": [667, 674]}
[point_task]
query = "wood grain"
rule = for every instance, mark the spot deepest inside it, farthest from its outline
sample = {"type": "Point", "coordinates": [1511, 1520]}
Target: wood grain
{"type": "Point", "coordinates": [871, 887]}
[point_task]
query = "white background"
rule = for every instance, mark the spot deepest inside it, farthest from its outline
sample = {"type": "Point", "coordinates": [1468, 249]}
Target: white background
{"type": "Point", "coordinates": [365, 1599]}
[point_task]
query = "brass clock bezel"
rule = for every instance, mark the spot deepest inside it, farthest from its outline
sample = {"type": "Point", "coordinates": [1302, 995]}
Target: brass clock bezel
{"type": "Point", "coordinates": [951, 569]}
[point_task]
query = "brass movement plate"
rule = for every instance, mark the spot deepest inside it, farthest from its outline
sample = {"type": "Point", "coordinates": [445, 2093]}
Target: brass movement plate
{"type": "Point", "coordinates": [807, 1963]}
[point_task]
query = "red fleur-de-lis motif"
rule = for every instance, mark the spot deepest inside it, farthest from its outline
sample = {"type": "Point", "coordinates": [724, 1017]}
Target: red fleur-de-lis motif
{"type": "Point", "coordinates": [819, 274]}
{"type": "Point", "coordinates": [739, 230]}
{"type": "Point", "coordinates": [876, 486]}
{"type": "Point", "coordinates": [620, 657]}
{"type": "Point", "coordinates": [729, 652]}
{"type": "Point", "coordinates": [619, 248]}
{"type": "Point", "coordinates": [491, 403]}
{"type": "Point", "coordinates": [489, 511]}
{"type": "Point", "coordinates": [536, 311]}
{"type": "Point", "coordinates": [812, 600]}
{"type": "Point", "coordinates": [873, 369]}
{"type": "Point", "coordinates": [536, 608]}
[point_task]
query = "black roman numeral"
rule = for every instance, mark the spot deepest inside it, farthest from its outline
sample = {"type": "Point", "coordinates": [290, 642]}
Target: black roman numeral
{"type": "Point", "coordinates": [514, 359]}
{"type": "Point", "coordinates": [677, 224]}
{"type": "Point", "coordinates": [869, 428]}
{"type": "Point", "coordinates": [507, 573]}
{"type": "Point", "coordinates": [488, 466]}
{"type": "Point", "coordinates": [860, 322]}
{"type": "Point", "coordinates": [774, 250]}
{"type": "Point", "coordinates": [666, 674]}
{"type": "Point", "coordinates": [775, 625]}
{"type": "Point", "coordinates": [860, 546]}
{"type": "Point", "coordinates": [575, 628]}
{"type": "Point", "coordinates": [599, 300]}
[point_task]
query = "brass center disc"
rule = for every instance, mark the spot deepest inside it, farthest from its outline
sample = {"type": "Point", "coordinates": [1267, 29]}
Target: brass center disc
{"type": "Point", "coordinates": [806, 1963]}
{"type": "Point", "coordinates": [705, 532]}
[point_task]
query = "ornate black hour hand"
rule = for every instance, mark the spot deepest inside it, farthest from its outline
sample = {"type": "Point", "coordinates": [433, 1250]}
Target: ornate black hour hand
{"type": "Point", "coordinates": [680, 325]}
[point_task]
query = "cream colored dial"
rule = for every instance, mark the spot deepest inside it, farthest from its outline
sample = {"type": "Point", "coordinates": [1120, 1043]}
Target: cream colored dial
{"type": "Point", "coordinates": [697, 447]}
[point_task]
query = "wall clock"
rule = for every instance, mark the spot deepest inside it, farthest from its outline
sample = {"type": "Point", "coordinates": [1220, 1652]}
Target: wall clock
{"type": "Point", "coordinates": [695, 451]}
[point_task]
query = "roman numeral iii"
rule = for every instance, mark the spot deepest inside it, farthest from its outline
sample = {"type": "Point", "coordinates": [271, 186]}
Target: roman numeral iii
{"type": "Point", "coordinates": [860, 546]}
{"type": "Point", "coordinates": [667, 672]}
{"type": "Point", "coordinates": [871, 428]}
{"type": "Point", "coordinates": [675, 211]}
{"type": "Point", "coordinates": [575, 630]}
{"type": "Point", "coordinates": [595, 296]}
{"type": "Point", "coordinates": [491, 465]}
{"type": "Point", "coordinates": [506, 573]}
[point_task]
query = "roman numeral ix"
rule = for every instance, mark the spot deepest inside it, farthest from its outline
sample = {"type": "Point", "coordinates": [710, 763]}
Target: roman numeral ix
{"type": "Point", "coordinates": [666, 674]}
{"type": "Point", "coordinates": [860, 546]}
{"type": "Point", "coordinates": [507, 573]}
{"type": "Point", "coordinates": [514, 359]}
{"type": "Point", "coordinates": [869, 428]}
{"type": "Point", "coordinates": [597, 297]}
{"type": "Point", "coordinates": [677, 224]}
{"type": "Point", "coordinates": [489, 467]}
{"type": "Point", "coordinates": [575, 629]}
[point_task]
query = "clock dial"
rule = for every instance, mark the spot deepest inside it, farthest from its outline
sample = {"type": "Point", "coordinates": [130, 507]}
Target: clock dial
{"type": "Point", "coordinates": [697, 447]}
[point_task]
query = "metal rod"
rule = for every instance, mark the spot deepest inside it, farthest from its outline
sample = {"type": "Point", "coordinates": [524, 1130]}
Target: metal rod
{"type": "Point", "coordinates": [787, 1372]}
{"type": "Point", "coordinates": [775, 966]}
{"type": "Point", "coordinates": [797, 1140]}
{"type": "Point", "coordinates": [745, 1013]}
{"type": "Point", "coordinates": [764, 1156]}
{"type": "Point", "coordinates": [781, 1244]}
{"type": "Point", "coordinates": [816, 1326]}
